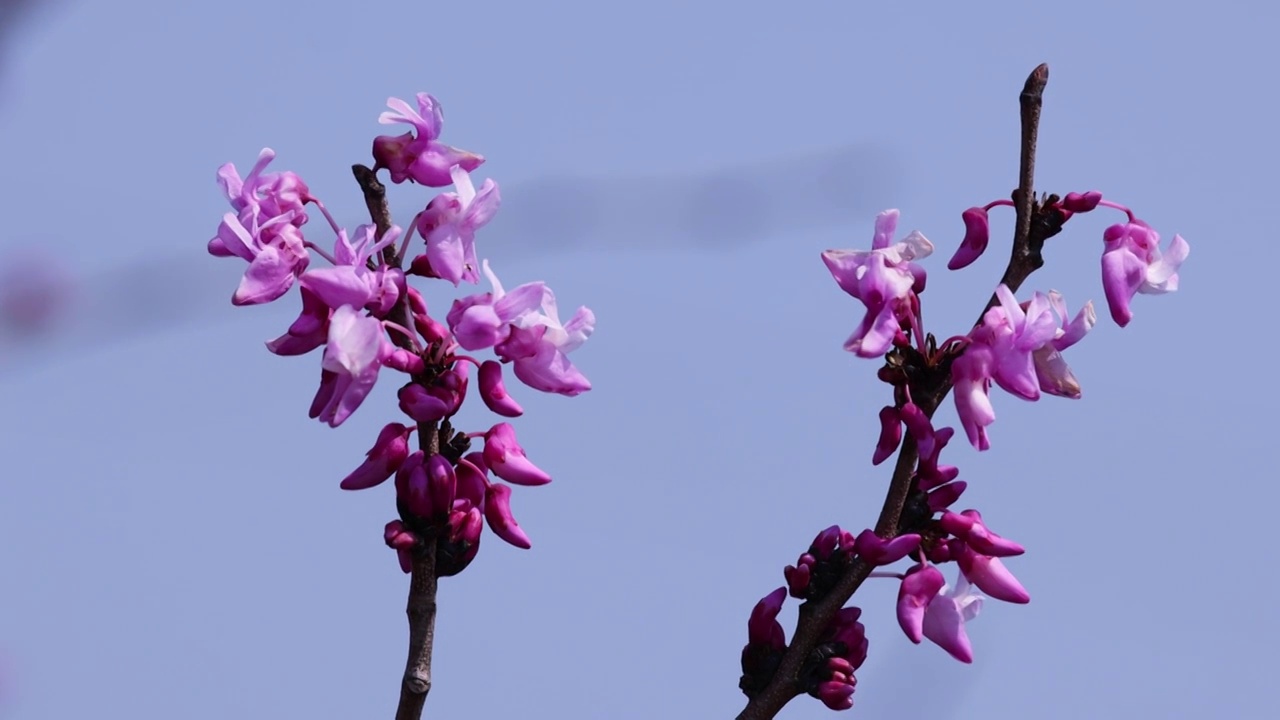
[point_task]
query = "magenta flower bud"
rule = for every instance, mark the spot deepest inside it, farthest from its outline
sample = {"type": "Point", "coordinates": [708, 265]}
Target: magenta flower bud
{"type": "Point", "coordinates": [992, 577]}
{"type": "Point", "coordinates": [1132, 263]}
{"type": "Point", "coordinates": [308, 332]}
{"type": "Point", "coordinates": [836, 694]}
{"type": "Point", "coordinates": [1081, 202]}
{"type": "Point", "coordinates": [969, 527]}
{"type": "Point", "coordinates": [977, 231]}
{"type": "Point", "coordinates": [826, 543]}
{"type": "Point", "coordinates": [411, 486]}
{"type": "Point", "coordinates": [929, 474]}
{"type": "Point", "coordinates": [442, 483]}
{"type": "Point", "coordinates": [421, 266]}
{"type": "Point", "coordinates": [477, 459]}
{"type": "Point", "coordinates": [417, 303]}
{"type": "Point", "coordinates": [798, 577]}
{"type": "Point", "coordinates": [846, 629]}
{"type": "Point", "coordinates": [405, 361]}
{"type": "Point", "coordinates": [920, 427]}
{"type": "Point", "coordinates": [945, 552]}
{"type": "Point", "coordinates": [406, 560]}
{"type": "Point", "coordinates": [878, 551]}
{"type": "Point", "coordinates": [497, 510]}
{"type": "Point", "coordinates": [421, 405]}
{"type": "Point", "coordinates": [466, 527]}
{"type": "Point", "coordinates": [398, 538]}
{"type": "Point", "coordinates": [506, 459]}
{"type": "Point", "coordinates": [383, 459]}
{"type": "Point", "coordinates": [941, 497]}
{"type": "Point", "coordinates": [956, 523]}
{"type": "Point", "coordinates": [890, 435]}
{"type": "Point", "coordinates": [471, 482]}
{"type": "Point", "coordinates": [494, 393]}
{"type": "Point", "coordinates": [763, 626]}
{"type": "Point", "coordinates": [919, 587]}
{"type": "Point", "coordinates": [453, 386]}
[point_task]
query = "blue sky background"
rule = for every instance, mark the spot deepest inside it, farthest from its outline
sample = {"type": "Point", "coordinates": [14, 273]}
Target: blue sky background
{"type": "Point", "coordinates": [172, 537]}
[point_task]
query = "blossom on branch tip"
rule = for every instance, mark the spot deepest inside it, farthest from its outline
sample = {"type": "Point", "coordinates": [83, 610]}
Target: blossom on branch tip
{"type": "Point", "coordinates": [1132, 263]}
{"type": "Point", "coordinates": [352, 358]}
{"type": "Point", "coordinates": [421, 159]}
{"type": "Point", "coordinates": [449, 226]}
{"type": "Point", "coordinates": [885, 279]}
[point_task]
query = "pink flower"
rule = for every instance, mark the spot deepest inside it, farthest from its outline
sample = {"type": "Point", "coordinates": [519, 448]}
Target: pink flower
{"type": "Point", "coordinates": [350, 367]}
{"type": "Point", "coordinates": [351, 282]}
{"type": "Point", "coordinates": [945, 617]}
{"type": "Point", "coordinates": [480, 321]}
{"type": "Point", "coordinates": [274, 249]}
{"type": "Point", "coordinates": [449, 226]}
{"type": "Point", "coordinates": [1052, 372]}
{"type": "Point", "coordinates": [1002, 349]}
{"type": "Point", "coordinates": [264, 229]}
{"type": "Point", "coordinates": [420, 159]}
{"type": "Point", "coordinates": [1132, 263]}
{"type": "Point", "coordinates": [538, 347]}
{"type": "Point", "coordinates": [885, 279]}
{"type": "Point", "coordinates": [524, 328]}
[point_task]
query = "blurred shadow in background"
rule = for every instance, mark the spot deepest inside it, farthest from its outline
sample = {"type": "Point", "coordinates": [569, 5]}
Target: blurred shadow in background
{"type": "Point", "coordinates": [14, 14]}
{"type": "Point", "coordinates": [45, 308]}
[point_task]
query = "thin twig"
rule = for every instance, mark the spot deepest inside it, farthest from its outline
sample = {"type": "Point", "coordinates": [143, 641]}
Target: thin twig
{"type": "Point", "coordinates": [816, 617]}
{"type": "Point", "coordinates": [421, 606]}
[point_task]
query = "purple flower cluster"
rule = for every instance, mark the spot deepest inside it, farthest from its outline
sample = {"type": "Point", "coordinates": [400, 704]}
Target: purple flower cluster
{"type": "Point", "coordinates": [1019, 347]}
{"type": "Point", "coordinates": [367, 317]}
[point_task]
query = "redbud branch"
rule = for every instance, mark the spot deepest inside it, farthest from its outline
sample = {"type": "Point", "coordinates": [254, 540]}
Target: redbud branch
{"type": "Point", "coordinates": [421, 606]}
{"type": "Point", "coordinates": [928, 392]}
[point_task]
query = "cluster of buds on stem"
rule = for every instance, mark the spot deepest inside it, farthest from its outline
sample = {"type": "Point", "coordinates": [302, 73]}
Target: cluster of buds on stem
{"type": "Point", "coordinates": [362, 310]}
{"type": "Point", "coordinates": [1019, 346]}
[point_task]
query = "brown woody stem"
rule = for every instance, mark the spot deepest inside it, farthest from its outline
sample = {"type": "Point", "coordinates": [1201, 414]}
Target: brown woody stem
{"type": "Point", "coordinates": [421, 606]}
